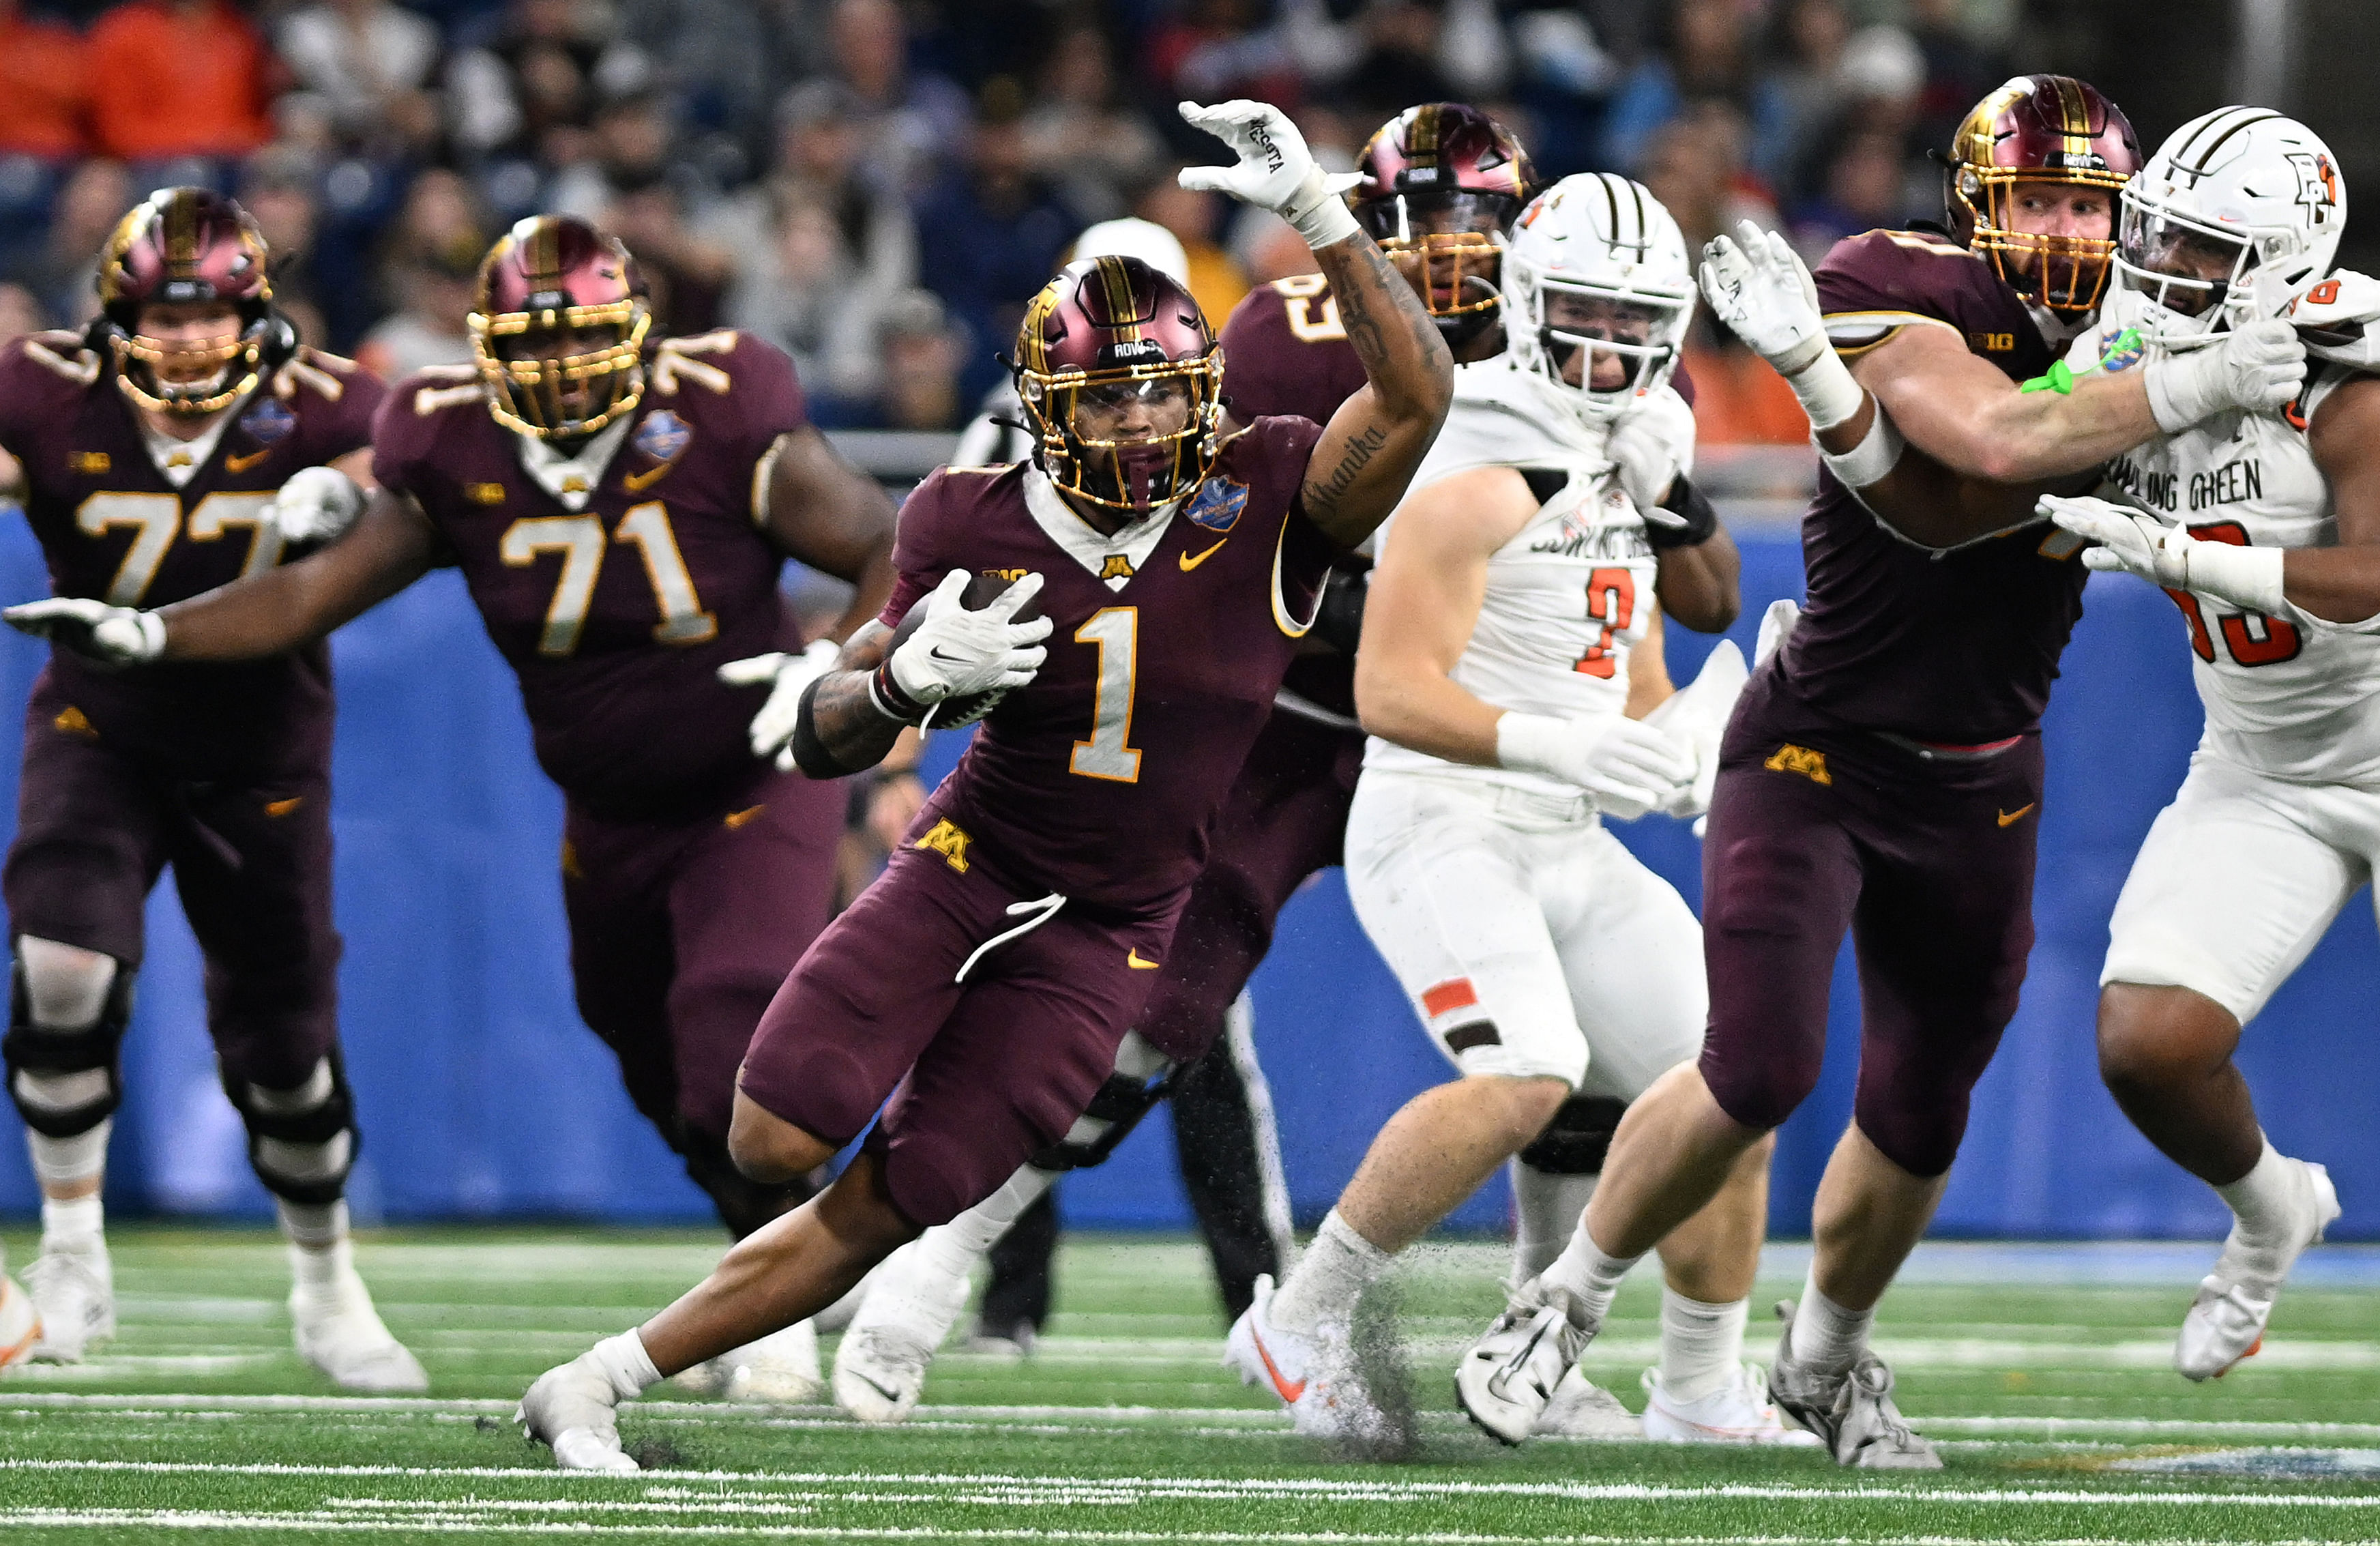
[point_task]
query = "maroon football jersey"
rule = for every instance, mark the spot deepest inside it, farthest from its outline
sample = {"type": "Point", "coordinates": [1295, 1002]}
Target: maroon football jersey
{"type": "Point", "coordinates": [1099, 780]}
{"type": "Point", "coordinates": [617, 615]}
{"type": "Point", "coordinates": [112, 525]}
{"type": "Point", "coordinates": [1957, 647]}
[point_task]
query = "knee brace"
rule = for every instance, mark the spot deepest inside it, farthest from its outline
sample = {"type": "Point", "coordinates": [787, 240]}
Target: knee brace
{"type": "Point", "coordinates": [63, 1030]}
{"type": "Point", "coordinates": [744, 1205]}
{"type": "Point", "coordinates": [301, 1143]}
{"type": "Point", "coordinates": [1142, 1076]}
{"type": "Point", "coordinates": [1577, 1138]}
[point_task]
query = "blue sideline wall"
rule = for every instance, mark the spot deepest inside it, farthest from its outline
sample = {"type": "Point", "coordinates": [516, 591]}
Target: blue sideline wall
{"type": "Point", "coordinates": [483, 1097]}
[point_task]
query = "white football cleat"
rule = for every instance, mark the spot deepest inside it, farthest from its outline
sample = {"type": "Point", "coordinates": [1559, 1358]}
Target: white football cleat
{"type": "Point", "coordinates": [74, 1295]}
{"type": "Point", "coordinates": [2226, 1321]}
{"type": "Point", "coordinates": [1852, 1413]}
{"type": "Point", "coordinates": [1580, 1410]}
{"type": "Point", "coordinates": [781, 1367]}
{"type": "Point", "coordinates": [880, 1367]}
{"type": "Point", "coordinates": [1737, 1413]}
{"type": "Point", "coordinates": [574, 1410]}
{"type": "Point", "coordinates": [339, 1332]}
{"type": "Point", "coordinates": [1508, 1378]}
{"type": "Point", "coordinates": [20, 1324]}
{"type": "Point", "coordinates": [1314, 1374]}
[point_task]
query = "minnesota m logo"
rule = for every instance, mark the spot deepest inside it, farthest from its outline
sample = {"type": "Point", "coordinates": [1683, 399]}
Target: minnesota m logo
{"type": "Point", "coordinates": [1793, 759]}
{"type": "Point", "coordinates": [1117, 567]}
{"type": "Point", "coordinates": [948, 841]}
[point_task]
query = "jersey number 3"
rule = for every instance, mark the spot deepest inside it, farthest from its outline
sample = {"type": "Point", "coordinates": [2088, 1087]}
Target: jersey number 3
{"type": "Point", "coordinates": [2279, 640]}
{"type": "Point", "coordinates": [1611, 601]}
{"type": "Point", "coordinates": [580, 540]}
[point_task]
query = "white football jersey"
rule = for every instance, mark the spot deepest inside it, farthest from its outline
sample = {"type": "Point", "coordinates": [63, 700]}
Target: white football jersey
{"type": "Point", "coordinates": [1571, 592]}
{"type": "Point", "coordinates": [2284, 698]}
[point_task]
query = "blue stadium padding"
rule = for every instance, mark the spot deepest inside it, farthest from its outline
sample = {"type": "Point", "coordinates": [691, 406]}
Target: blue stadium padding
{"type": "Point", "coordinates": [483, 1096]}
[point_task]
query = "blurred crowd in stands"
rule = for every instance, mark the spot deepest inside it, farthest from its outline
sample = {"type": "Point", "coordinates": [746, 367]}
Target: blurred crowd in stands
{"type": "Point", "coordinates": [880, 185]}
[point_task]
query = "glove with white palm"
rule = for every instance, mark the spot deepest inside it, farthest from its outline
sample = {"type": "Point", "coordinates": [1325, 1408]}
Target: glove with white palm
{"type": "Point", "coordinates": [1646, 452]}
{"type": "Point", "coordinates": [2256, 369]}
{"type": "Point", "coordinates": [2246, 577]}
{"type": "Point", "coordinates": [317, 504]}
{"type": "Point", "coordinates": [1758, 285]}
{"type": "Point", "coordinates": [1275, 172]}
{"type": "Point", "coordinates": [1628, 766]}
{"type": "Point", "coordinates": [787, 674]}
{"type": "Point", "coordinates": [955, 652]}
{"type": "Point", "coordinates": [108, 636]}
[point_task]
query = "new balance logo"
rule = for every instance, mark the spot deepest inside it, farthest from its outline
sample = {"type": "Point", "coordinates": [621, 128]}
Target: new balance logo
{"type": "Point", "coordinates": [1793, 759]}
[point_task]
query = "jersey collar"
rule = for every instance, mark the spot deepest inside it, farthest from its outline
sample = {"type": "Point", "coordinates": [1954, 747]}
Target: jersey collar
{"type": "Point", "coordinates": [573, 479]}
{"type": "Point", "coordinates": [178, 461]}
{"type": "Point", "coordinates": [1111, 560]}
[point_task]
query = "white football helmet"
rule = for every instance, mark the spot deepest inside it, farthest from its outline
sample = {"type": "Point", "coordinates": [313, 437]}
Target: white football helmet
{"type": "Point", "coordinates": [2236, 215]}
{"type": "Point", "coordinates": [1596, 264]}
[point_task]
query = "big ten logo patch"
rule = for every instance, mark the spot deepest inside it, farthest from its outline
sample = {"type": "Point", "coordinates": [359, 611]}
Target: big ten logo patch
{"type": "Point", "coordinates": [1992, 343]}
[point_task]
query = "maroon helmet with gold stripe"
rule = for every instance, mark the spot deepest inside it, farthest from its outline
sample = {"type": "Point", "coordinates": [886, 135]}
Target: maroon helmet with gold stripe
{"type": "Point", "coordinates": [1121, 379]}
{"type": "Point", "coordinates": [559, 333]}
{"type": "Point", "coordinates": [1439, 188]}
{"type": "Point", "coordinates": [188, 246]}
{"type": "Point", "coordinates": [2040, 129]}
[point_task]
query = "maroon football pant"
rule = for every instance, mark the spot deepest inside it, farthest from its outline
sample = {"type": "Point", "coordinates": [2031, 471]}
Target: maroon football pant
{"type": "Point", "coordinates": [979, 1076]}
{"type": "Point", "coordinates": [681, 931]}
{"type": "Point", "coordinates": [1286, 818]}
{"type": "Point", "coordinates": [252, 863]}
{"type": "Point", "coordinates": [1929, 864]}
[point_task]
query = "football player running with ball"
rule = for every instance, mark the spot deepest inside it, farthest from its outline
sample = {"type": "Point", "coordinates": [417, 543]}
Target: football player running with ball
{"type": "Point", "coordinates": [621, 509]}
{"type": "Point", "coordinates": [986, 981]}
{"type": "Point", "coordinates": [2235, 217]}
{"type": "Point", "coordinates": [1558, 973]}
{"type": "Point", "coordinates": [1883, 771]}
{"type": "Point", "coordinates": [184, 440]}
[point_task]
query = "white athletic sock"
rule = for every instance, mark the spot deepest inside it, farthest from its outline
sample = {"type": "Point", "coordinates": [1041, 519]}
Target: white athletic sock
{"type": "Point", "coordinates": [78, 1226]}
{"type": "Point", "coordinates": [626, 1363]}
{"type": "Point", "coordinates": [1546, 1208]}
{"type": "Point", "coordinates": [320, 1252]}
{"type": "Point", "coordinates": [63, 1162]}
{"type": "Point", "coordinates": [2269, 1203]}
{"type": "Point", "coordinates": [1702, 1345]}
{"type": "Point", "coordinates": [1590, 1276]}
{"type": "Point", "coordinates": [1327, 1280]}
{"type": "Point", "coordinates": [1826, 1336]}
{"type": "Point", "coordinates": [961, 1243]}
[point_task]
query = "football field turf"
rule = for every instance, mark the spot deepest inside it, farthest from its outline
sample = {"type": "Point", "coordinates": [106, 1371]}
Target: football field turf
{"type": "Point", "coordinates": [2041, 1371]}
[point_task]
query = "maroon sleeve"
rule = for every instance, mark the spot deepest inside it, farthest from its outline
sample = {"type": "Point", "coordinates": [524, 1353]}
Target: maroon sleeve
{"type": "Point", "coordinates": [1305, 553]}
{"type": "Point", "coordinates": [340, 421]}
{"type": "Point", "coordinates": [400, 434]}
{"type": "Point", "coordinates": [1682, 382]}
{"type": "Point", "coordinates": [768, 396]}
{"type": "Point", "coordinates": [1872, 285]}
{"type": "Point", "coordinates": [29, 389]}
{"type": "Point", "coordinates": [1284, 352]}
{"type": "Point", "coordinates": [916, 546]}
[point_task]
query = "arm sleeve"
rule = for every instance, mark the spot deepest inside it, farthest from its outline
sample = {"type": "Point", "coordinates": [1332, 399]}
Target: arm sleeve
{"type": "Point", "coordinates": [400, 439]}
{"type": "Point", "coordinates": [1871, 286]}
{"type": "Point", "coordinates": [346, 420]}
{"type": "Point", "coordinates": [915, 541]}
{"type": "Point", "coordinates": [767, 392]}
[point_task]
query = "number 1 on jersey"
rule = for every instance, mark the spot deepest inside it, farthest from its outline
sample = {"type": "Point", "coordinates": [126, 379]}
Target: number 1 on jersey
{"type": "Point", "coordinates": [1108, 752]}
{"type": "Point", "coordinates": [1611, 601]}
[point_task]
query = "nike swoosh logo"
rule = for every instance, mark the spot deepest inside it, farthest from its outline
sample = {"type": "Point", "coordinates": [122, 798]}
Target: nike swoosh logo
{"type": "Point", "coordinates": [941, 654]}
{"type": "Point", "coordinates": [241, 464]}
{"type": "Point", "coordinates": [283, 808]}
{"type": "Point", "coordinates": [887, 1394]}
{"type": "Point", "coordinates": [734, 819]}
{"type": "Point", "coordinates": [2010, 818]}
{"type": "Point", "coordinates": [1288, 1391]}
{"type": "Point", "coordinates": [1189, 562]}
{"type": "Point", "coordinates": [637, 483]}
{"type": "Point", "coordinates": [1132, 958]}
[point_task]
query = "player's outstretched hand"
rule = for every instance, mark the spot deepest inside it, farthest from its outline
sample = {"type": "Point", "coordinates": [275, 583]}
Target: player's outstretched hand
{"type": "Point", "coordinates": [2128, 540]}
{"type": "Point", "coordinates": [1629, 767]}
{"type": "Point", "coordinates": [1757, 285]}
{"type": "Point", "coordinates": [1275, 172]}
{"type": "Point", "coordinates": [1647, 460]}
{"type": "Point", "coordinates": [2258, 368]}
{"type": "Point", "coordinates": [787, 674]}
{"type": "Point", "coordinates": [317, 504]}
{"type": "Point", "coordinates": [956, 652]}
{"type": "Point", "coordinates": [104, 635]}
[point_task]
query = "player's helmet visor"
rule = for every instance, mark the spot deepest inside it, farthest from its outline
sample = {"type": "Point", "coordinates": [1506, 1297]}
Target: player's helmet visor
{"type": "Point", "coordinates": [2033, 131]}
{"type": "Point", "coordinates": [2183, 263]}
{"type": "Point", "coordinates": [559, 333]}
{"type": "Point", "coordinates": [1634, 332]}
{"type": "Point", "coordinates": [1122, 381]}
{"type": "Point", "coordinates": [1437, 186]}
{"type": "Point", "coordinates": [189, 250]}
{"type": "Point", "coordinates": [1449, 246]}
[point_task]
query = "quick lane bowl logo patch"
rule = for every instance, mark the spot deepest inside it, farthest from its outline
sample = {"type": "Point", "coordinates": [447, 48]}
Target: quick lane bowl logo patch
{"type": "Point", "coordinates": [2122, 350]}
{"type": "Point", "coordinates": [663, 435]}
{"type": "Point", "coordinates": [268, 422]}
{"type": "Point", "coordinates": [1217, 503]}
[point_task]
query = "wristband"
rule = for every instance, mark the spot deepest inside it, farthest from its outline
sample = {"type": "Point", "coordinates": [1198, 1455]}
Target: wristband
{"type": "Point", "coordinates": [1701, 518]}
{"type": "Point", "coordinates": [1874, 457]}
{"type": "Point", "coordinates": [1319, 215]}
{"type": "Point", "coordinates": [1829, 393]}
{"type": "Point", "coordinates": [891, 701]}
{"type": "Point", "coordinates": [810, 754]}
{"type": "Point", "coordinates": [2246, 577]}
{"type": "Point", "coordinates": [1531, 743]}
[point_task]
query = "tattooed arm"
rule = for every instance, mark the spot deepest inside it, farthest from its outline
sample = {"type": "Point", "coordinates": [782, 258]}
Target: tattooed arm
{"type": "Point", "coordinates": [1379, 436]}
{"type": "Point", "coordinates": [842, 729]}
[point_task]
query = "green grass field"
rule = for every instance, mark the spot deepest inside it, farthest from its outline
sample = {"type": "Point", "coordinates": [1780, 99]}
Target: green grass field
{"type": "Point", "coordinates": [2042, 1373]}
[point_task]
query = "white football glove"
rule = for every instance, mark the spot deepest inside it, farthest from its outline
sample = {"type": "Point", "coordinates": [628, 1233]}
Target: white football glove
{"type": "Point", "coordinates": [1276, 171]}
{"type": "Point", "coordinates": [2258, 368]}
{"type": "Point", "coordinates": [317, 504]}
{"type": "Point", "coordinates": [2246, 577]}
{"type": "Point", "coordinates": [107, 636]}
{"type": "Point", "coordinates": [1758, 285]}
{"type": "Point", "coordinates": [956, 652]}
{"type": "Point", "coordinates": [1648, 465]}
{"type": "Point", "coordinates": [1628, 766]}
{"type": "Point", "coordinates": [1776, 626]}
{"type": "Point", "coordinates": [1696, 715]}
{"type": "Point", "coordinates": [788, 674]}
